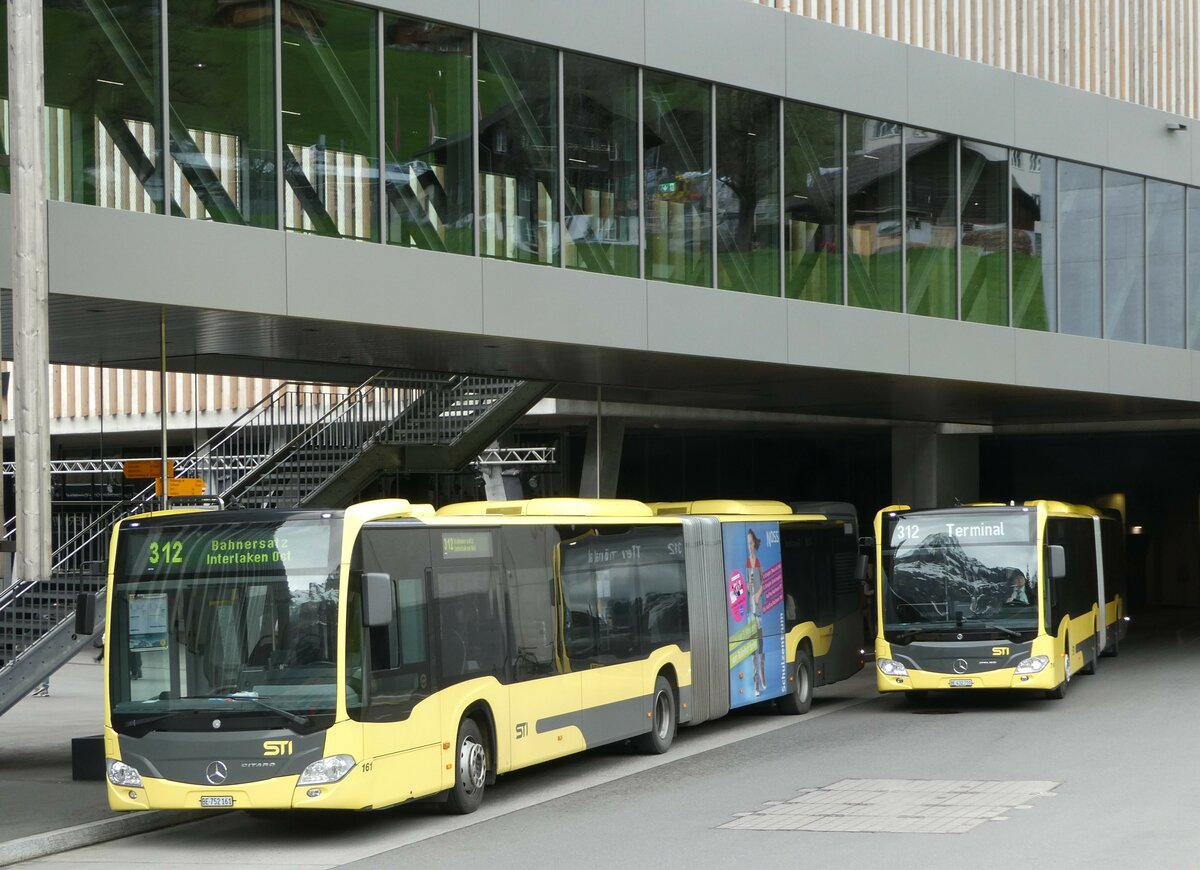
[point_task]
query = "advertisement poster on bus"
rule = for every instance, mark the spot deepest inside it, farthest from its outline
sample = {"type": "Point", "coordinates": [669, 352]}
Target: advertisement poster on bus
{"type": "Point", "coordinates": [754, 595]}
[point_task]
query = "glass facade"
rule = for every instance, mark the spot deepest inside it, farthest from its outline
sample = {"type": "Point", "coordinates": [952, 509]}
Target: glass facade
{"type": "Point", "coordinates": [1165, 324]}
{"type": "Point", "coordinates": [931, 213]}
{"type": "Point", "coordinates": [1079, 248]}
{"type": "Point", "coordinates": [330, 119]}
{"type": "Point", "coordinates": [104, 103]}
{"type": "Point", "coordinates": [600, 136]}
{"type": "Point", "coordinates": [747, 192]}
{"type": "Point", "coordinates": [427, 144]}
{"type": "Point", "coordinates": [677, 162]}
{"type": "Point", "coordinates": [812, 203]}
{"type": "Point", "coordinates": [387, 128]}
{"type": "Point", "coordinates": [518, 151]}
{"type": "Point", "coordinates": [1193, 268]}
{"type": "Point", "coordinates": [983, 227]}
{"type": "Point", "coordinates": [1034, 182]}
{"type": "Point", "coordinates": [1124, 257]}
{"type": "Point", "coordinates": [874, 213]}
{"type": "Point", "coordinates": [221, 69]}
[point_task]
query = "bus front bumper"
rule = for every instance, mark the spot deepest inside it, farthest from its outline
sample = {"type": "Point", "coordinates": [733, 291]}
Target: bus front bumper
{"type": "Point", "coordinates": [280, 793]}
{"type": "Point", "coordinates": [1002, 678]}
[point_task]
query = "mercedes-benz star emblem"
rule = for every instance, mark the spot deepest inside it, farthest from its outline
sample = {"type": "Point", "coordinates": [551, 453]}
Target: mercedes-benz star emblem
{"type": "Point", "coordinates": [960, 666]}
{"type": "Point", "coordinates": [216, 772]}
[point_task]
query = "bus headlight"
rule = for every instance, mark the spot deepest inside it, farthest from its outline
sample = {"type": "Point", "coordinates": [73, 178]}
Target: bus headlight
{"type": "Point", "coordinates": [1035, 665]}
{"type": "Point", "coordinates": [120, 773]}
{"type": "Point", "coordinates": [892, 668]}
{"type": "Point", "coordinates": [327, 770]}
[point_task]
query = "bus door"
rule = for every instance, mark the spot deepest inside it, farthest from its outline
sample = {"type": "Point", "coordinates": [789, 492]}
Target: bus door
{"type": "Point", "coordinates": [1101, 598]}
{"type": "Point", "coordinates": [545, 694]}
{"type": "Point", "coordinates": [390, 671]}
{"type": "Point", "coordinates": [602, 632]}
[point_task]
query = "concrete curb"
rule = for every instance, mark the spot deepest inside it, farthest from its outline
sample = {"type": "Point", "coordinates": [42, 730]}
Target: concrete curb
{"type": "Point", "coordinates": [78, 836]}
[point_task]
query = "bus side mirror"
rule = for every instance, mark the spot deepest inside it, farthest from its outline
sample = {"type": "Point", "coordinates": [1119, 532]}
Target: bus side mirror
{"type": "Point", "coordinates": [862, 568]}
{"type": "Point", "coordinates": [85, 614]}
{"type": "Point", "coordinates": [378, 600]}
{"type": "Point", "coordinates": [862, 564]}
{"type": "Point", "coordinates": [1057, 559]}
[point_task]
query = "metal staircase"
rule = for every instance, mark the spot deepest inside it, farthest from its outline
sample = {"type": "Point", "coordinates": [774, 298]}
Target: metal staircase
{"type": "Point", "coordinates": [301, 445]}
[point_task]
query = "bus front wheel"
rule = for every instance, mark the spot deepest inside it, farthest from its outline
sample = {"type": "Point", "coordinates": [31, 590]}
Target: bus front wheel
{"type": "Point", "coordinates": [662, 720]}
{"type": "Point", "coordinates": [1060, 691]}
{"type": "Point", "coordinates": [470, 770]}
{"type": "Point", "coordinates": [799, 700]}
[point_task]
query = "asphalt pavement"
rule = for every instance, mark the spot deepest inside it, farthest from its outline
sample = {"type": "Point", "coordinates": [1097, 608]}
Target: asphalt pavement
{"type": "Point", "coordinates": [42, 809]}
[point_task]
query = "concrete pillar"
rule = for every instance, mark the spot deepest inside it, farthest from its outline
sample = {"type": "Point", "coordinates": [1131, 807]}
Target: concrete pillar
{"type": "Point", "coordinates": [607, 450]}
{"type": "Point", "coordinates": [932, 469]}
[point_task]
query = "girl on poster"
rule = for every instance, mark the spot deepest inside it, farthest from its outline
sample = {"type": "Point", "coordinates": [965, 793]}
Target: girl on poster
{"type": "Point", "coordinates": [754, 578]}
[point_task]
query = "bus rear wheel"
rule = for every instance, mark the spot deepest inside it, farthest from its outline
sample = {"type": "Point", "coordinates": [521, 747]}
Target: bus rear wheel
{"type": "Point", "coordinates": [799, 700]}
{"type": "Point", "coordinates": [470, 770]}
{"type": "Point", "coordinates": [662, 721]}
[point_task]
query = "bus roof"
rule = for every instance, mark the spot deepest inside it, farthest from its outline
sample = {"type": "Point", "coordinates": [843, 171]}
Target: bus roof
{"type": "Point", "coordinates": [1051, 507]}
{"type": "Point", "coordinates": [721, 507]}
{"type": "Point", "coordinates": [550, 507]}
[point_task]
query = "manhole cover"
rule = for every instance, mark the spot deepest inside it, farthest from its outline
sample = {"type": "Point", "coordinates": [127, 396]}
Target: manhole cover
{"type": "Point", "coordinates": [896, 806]}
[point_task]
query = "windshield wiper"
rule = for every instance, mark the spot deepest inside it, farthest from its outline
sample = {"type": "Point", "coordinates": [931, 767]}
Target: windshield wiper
{"type": "Point", "coordinates": [147, 720]}
{"type": "Point", "coordinates": [1015, 635]}
{"type": "Point", "coordinates": [294, 718]}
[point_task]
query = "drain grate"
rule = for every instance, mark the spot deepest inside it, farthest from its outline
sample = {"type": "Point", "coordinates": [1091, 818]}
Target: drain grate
{"type": "Point", "coordinates": [896, 806]}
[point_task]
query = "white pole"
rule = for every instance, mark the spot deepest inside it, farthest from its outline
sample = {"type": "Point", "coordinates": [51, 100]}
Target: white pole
{"type": "Point", "coordinates": [30, 290]}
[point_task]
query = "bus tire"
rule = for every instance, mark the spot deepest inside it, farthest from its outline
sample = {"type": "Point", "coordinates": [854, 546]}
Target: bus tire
{"type": "Point", "coordinates": [1060, 691]}
{"type": "Point", "coordinates": [663, 719]}
{"type": "Point", "coordinates": [798, 701]}
{"type": "Point", "coordinates": [1113, 649]}
{"type": "Point", "coordinates": [916, 697]}
{"type": "Point", "coordinates": [470, 770]}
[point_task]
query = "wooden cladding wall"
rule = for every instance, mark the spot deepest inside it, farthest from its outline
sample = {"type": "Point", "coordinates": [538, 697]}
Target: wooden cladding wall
{"type": "Point", "coordinates": [85, 392]}
{"type": "Point", "coordinates": [1142, 51]}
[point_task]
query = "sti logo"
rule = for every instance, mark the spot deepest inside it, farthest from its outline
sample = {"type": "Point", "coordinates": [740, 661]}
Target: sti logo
{"type": "Point", "coordinates": [1000, 651]}
{"type": "Point", "coordinates": [276, 747]}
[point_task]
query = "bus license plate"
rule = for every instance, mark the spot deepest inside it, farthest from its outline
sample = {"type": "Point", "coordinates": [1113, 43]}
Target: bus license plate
{"type": "Point", "coordinates": [961, 684]}
{"type": "Point", "coordinates": [216, 801]}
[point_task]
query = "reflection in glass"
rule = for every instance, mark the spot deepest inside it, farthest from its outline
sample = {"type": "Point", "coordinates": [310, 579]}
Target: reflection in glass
{"type": "Point", "coordinates": [678, 166]}
{"type": "Point", "coordinates": [984, 239]}
{"type": "Point", "coordinates": [427, 135]}
{"type": "Point", "coordinates": [931, 209]}
{"type": "Point", "coordinates": [600, 106]}
{"type": "Point", "coordinates": [873, 212]}
{"type": "Point", "coordinates": [1079, 232]}
{"type": "Point", "coordinates": [222, 126]}
{"type": "Point", "coordinates": [1193, 268]}
{"type": "Point", "coordinates": [1164, 264]}
{"type": "Point", "coordinates": [104, 100]}
{"type": "Point", "coordinates": [1124, 257]}
{"type": "Point", "coordinates": [812, 200]}
{"type": "Point", "coordinates": [330, 120]}
{"type": "Point", "coordinates": [747, 192]}
{"type": "Point", "coordinates": [960, 571]}
{"type": "Point", "coordinates": [1034, 244]}
{"type": "Point", "coordinates": [518, 151]}
{"type": "Point", "coordinates": [5, 185]}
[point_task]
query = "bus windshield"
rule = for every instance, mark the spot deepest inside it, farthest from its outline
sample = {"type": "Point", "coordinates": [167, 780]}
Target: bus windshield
{"type": "Point", "coordinates": [229, 620]}
{"type": "Point", "coordinates": [971, 573]}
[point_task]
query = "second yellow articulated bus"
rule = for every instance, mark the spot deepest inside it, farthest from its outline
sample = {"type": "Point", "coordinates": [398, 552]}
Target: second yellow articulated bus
{"type": "Point", "coordinates": [995, 596]}
{"type": "Point", "coordinates": [361, 658]}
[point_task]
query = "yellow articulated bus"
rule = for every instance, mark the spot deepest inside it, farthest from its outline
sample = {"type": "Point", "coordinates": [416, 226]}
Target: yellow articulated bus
{"type": "Point", "coordinates": [995, 596]}
{"type": "Point", "coordinates": [361, 658]}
